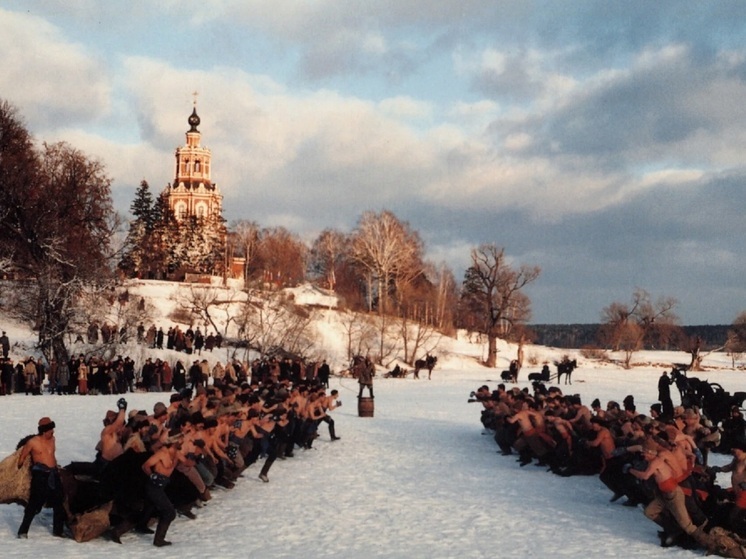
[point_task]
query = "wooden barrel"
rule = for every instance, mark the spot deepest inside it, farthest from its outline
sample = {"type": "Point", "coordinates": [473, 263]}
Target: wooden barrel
{"type": "Point", "coordinates": [365, 407]}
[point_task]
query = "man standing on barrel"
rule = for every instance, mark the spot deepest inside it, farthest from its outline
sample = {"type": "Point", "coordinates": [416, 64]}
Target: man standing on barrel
{"type": "Point", "coordinates": [365, 377]}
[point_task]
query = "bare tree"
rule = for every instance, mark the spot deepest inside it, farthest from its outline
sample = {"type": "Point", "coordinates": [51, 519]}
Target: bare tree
{"type": "Point", "coordinates": [417, 335]}
{"type": "Point", "coordinates": [360, 333]}
{"type": "Point", "coordinates": [327, 253]}
{"type": "Point", "coordinates": [387, 339]}
{"type": "Point", "coordinates": [281, 256]}
{"type": "Point", "coordinates": [446, 297]}
{"type": "Point", "coordinates": [274, 323]}
{"type": "Point", "coordinates": [388, 250]}
{"type": "Point", "coordinates": [244, 242]}
{"type": "Point", "coordinates": [57, 220]}
{"type": "Point", "coordinates": [627, 326]}
{"type": "Point", "coordinates": [736, 342]}
{"type": "Point", "coordinates": [214, 306]}
{"type": "Point", "coordinates": [492, 297]}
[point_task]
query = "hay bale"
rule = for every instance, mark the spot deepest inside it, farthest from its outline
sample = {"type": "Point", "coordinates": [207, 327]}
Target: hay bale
{"type": "Point", "coordinates": [90, 524]}
{"type": "Point", "coordinates": [15, 483]}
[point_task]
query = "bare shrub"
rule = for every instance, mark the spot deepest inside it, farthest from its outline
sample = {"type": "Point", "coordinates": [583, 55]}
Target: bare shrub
{"type": "Point", "coordinates": [594, 353]}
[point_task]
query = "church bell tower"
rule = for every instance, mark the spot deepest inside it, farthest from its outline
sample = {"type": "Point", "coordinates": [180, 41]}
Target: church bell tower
{"type": "Point", "coordinates": [193, 194]}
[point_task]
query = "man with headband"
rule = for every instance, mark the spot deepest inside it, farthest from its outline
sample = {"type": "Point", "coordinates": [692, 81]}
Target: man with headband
{"type": "Point", "coordinates": [46, 485]}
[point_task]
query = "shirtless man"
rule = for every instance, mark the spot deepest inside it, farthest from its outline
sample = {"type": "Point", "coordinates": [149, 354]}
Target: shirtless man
{"type": "Point", "coordinates": [215, 450]}
{"type": "Point", "coordinates": [159, 468]}
{"type": "Point", "coordinates": [668, 495]}
{"type": "Point", "coordinates": [314, 414]}
{"type": "Point", "coordinates": [581, 421]}
{"type": "Point", "coordinates": [604, 440]}
{"type": "Point", "coordinates": [41, 448]}
{"type": "Point", "coordinates": [737, 469]}
{"type": "Point", "coordinates": [611, 473]}
{"type": "Point", "coordinates": [278, 438]}
{"type": "Point", "coordinates": [330, 403]}
{"type": "Point", "coordinates": [192, 449]}
{"type": "Point", "coordinates": [532, 434]}
{"type": "Point", "coordinates": [137, 440]}
{"type": "Point", "coordinates": [110, 443]}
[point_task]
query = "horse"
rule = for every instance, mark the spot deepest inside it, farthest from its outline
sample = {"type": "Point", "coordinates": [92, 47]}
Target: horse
{"type": "Point", "coordinates": [427, 363]}
{"type": "Point", "coordinates": [566, 367]}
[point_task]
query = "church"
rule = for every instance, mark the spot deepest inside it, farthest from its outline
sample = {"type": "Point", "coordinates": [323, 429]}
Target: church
{"type": "Point", "coordinates": [183, 236]}
{"type": "Point", "coordinates": [193, 194]}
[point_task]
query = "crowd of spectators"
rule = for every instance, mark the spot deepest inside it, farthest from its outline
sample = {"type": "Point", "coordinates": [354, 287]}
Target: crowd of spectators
{"type": "Point", "coordinates": [90, 374]}
{"type": "Point", "coordinates": [658, 460]}
{"type": "Point", "coordinates": [191, 340]}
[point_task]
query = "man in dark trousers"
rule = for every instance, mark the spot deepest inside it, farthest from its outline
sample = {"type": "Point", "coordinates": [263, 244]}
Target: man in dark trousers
{"type": "Point", "coordinates": [323, 374]}
{"type": "Point", "coordinates": [365, 377]}
{"type": "Point", "coordinates": [159, 468]}
{"type": "Point", "coordinates": [46, 485]}
{"type": "Point", "coordinates": [664, 396]}
{"type": "Point", "coordinates": [5, 345]}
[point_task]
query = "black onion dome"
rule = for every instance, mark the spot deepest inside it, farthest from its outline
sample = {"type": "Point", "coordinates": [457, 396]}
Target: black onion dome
{"type": "Point", "coordinates": [194, 120]}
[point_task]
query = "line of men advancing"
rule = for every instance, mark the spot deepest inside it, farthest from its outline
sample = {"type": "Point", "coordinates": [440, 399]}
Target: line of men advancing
{"type": "Point", "coordinates": [657, 462]}
{"type": "Point", "coordinates": [208, 438]}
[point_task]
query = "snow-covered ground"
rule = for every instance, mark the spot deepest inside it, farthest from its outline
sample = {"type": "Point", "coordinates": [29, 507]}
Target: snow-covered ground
{"type": "Point", "coordinates": [420, 479]}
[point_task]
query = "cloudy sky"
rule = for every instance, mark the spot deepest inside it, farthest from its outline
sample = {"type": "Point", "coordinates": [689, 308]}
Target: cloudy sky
{"type": "Point", "coordinates": [602, 141]}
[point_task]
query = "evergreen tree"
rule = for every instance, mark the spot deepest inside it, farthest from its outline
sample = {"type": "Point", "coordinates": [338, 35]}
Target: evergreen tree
{"type": "Point", "coordinates": [167, 239]}
{"type": "Point", "coordinates": [159, 245]}
{"type": "Point", "coordinates": [137, 245]}
{"type": "Point", "coordinates": [142, 206]}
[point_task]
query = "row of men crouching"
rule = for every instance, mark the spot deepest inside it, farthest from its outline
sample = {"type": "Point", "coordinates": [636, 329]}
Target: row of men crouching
{"type": "Point", "coordinates": [660, 465]}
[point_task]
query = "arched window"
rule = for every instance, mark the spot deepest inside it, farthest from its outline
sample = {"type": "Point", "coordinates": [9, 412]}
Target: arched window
{"type": "Point", "coordinates": [180, 210]}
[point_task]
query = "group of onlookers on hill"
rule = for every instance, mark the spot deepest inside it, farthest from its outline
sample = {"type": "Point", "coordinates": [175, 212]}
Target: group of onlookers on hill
{"type": "Point", "coordinates": [658, 460]}
{"type": "Point", "coordinates": [92, 375]}
{"type": "Point", "coordinates": [164, 463]}
{"type": "Point", "coordinates": [191, 340]}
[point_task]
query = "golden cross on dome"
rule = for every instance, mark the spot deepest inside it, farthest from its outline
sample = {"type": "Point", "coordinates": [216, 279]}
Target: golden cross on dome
{"type": "Point", "coordinates": [194, 94]}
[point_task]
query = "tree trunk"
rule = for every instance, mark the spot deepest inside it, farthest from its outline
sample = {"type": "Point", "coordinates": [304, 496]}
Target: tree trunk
{"type": "Point", "coordinates": [491, 350]}
{"type": "Point", "coordinates": [59, 350]}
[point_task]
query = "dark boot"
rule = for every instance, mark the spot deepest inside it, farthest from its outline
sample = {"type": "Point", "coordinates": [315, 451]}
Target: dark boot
{"type": "Point", "coordinates": [160, 534]}
{"type": "Point", "coordinates": [332, 434]}
{"type": "Point", "coordinates": [265, 471]}
{"type": "Point", "coordinates": [143, 528]}
{"type": "Point", "coordinates": [119, 530]}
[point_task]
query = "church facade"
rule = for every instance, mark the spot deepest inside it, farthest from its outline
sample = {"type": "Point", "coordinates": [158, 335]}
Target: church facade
{"type": "Point", "coordinates": [193, 194]}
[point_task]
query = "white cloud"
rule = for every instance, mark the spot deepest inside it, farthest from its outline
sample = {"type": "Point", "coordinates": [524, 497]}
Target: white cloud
{"type": "Point", "coordinates": [406, 108]}
{"type": "Point", "coordinates": [52, 78]}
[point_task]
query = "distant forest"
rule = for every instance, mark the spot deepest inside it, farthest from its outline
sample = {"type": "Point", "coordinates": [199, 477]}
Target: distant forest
{"type": "Point", "coordinates": [573, 336]}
